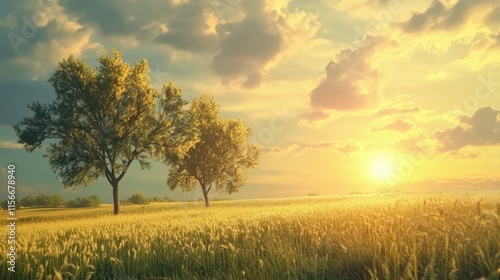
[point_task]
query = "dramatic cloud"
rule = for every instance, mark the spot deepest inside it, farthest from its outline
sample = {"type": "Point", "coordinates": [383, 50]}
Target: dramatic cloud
{"type": "Point", "coordinates": [258, 42]}
{"type": "Point", "coordinates": [246, 52]}
{"type": "Point", "coordinates": [398, 125]}
{"type": "Point", "coordinates": [438, 16]}
{"type": "Point", "coordinates": [115, 18]}
{"type": "Point", "coordinates": [37, 35]}
{"type": "Point", "coordinates": [482, 129]}
{"type": "Point", "coordinates": [349, 82]}
{"type": "Point", "coordinates": [191, 28]}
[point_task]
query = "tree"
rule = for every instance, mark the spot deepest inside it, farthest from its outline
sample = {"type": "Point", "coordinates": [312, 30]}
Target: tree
{"type": "Point", "coordinates": [91, 201]}
{"type": "Point", "coordinates": [43, 200]}
{"type": "Point", "coordinates": [103, 120]}
{"type": "Point", "coordinates": [95, 201]}
{"type": "Point", "coordinates": [139, 199]}
{"type": "Point", "coordinates": [220, 158]}
{"type": "Point", "coordinates": [29, 201]}
{"type": "Point", "coordinates": [57, 201]}
{"type": "Point", "coordinates": [4, 204]}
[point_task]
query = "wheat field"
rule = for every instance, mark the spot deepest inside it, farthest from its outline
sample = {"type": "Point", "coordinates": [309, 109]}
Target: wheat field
{"type": "Point", "coordinates": [453, 235]}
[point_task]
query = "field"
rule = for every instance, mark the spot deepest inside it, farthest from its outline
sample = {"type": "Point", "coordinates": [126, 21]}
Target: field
{"type": "Point", "coordinates": [453, 235]}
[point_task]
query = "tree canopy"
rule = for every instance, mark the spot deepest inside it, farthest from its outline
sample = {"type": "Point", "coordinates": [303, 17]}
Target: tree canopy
{"type": "Point", "coordinates": [103, 119]}
{"type": "Point", "coordinates": [220, 158]}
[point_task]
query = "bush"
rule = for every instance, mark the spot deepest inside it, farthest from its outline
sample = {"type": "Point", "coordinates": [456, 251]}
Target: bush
{"type": "Point", "coordinates": [5, 204]}
{"type": "Point", "coordinates": [139, 199]}
{"type": "Point", "coordinates": [91, 201]}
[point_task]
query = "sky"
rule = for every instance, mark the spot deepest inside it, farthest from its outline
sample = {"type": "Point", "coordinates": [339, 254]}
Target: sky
{"type": "Point", "coordinates": [341, 96]}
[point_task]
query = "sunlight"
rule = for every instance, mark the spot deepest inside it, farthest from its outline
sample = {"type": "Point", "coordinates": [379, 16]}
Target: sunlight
{"type": "Point", "coordinates": [382, 167]}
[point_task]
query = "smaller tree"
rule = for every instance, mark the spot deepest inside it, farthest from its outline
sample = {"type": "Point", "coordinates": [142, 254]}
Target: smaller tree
{"type": "Point", "coordinates": [57, 201]}
{"type": "Point", "coordinates": [220, 158]}
{"type": "Point", "coordinates": [95, 201]}
{"type": "Point", "coordinates": [43, 200]}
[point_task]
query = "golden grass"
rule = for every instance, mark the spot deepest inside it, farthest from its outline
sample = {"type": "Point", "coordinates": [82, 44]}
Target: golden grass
{"type": "Point", "coordinates": [399, 236]}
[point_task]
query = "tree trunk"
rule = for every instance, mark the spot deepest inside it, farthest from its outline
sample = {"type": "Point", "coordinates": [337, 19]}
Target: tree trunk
{"type": "Point", "coordinates": [205, 195]}
{"type": "Point", "coordinates": [116, 198]}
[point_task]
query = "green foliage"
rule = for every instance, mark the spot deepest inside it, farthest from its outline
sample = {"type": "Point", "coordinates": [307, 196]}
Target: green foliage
{"type": "Point", "coordinates": [220, 158]}
{"type": "Point", "coordinates": [157, 199]}
{"type": "Point", "coordinates": [138, 199]}
{"type": "Point", "coordinates": [29, 201]}
{"type": "Point", "coordinates": [91, 201]}
{"type": "Point", "coordinates": [4, 204]}
{"type": "Point", "coordinates": [41, 200]}
{"type": "Point", "coordinates": [45, 200]}
{"type": "Point", "coordinates": [103, 119]}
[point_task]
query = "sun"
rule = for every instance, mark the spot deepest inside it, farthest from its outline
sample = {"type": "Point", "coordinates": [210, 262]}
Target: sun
{"type": "Point", "coordinates": [382, 167]}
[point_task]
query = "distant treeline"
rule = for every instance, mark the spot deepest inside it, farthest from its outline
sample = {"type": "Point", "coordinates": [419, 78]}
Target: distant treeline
{"type": "Point", "coordinates": [142, 199]}
{"type": "Point", "coordinates": [56, 200]}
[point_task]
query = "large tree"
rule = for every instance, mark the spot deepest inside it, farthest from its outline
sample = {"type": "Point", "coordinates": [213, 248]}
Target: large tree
{"type": "Point", "coordinates": [103, 119]}
{"type": "Point", "coordinates": [220, 158]}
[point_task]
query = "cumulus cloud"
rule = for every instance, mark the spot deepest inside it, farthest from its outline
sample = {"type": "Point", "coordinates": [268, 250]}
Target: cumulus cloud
{"type": "Point", "coordinates": [246, 52]}
{"type": "Point", "coordinates": [397, 125]}
{"type": "Point", "coordinates": [481, 129]}
{"type": "Point", "coordinates": [349, 82]}
{"type": "Point", "coordinates": [245, 41]}
{"type": "Point", "coordinates": [260, 40]}
{"type": "Point", "coordinates": [120, 18]}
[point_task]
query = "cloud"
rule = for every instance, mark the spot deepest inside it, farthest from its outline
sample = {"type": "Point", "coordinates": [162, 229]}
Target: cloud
{"type": "Point", "coordinates": [192, 27]}
{"type": "Point", "coordinates": [38, 34]}
{"type": "Point", "coordinates": [347, 149]}
{"type": "Point", "coordinates": [482, 129]}
{"type": "Point", "coordinates": [10, 145]}
{"type": "Point", "coordinates": [441, 74]}
{"type": "Point", "coordinates": [349, 82]}
{"type": "Point", "coordinates": [397, 125]}
{"type": "Point", "coordinates": [115, 18]}
{"type": "Point", "coordinates": [299, 147]}
{"type": "Point", "coordinates": [438, 16]}
{"type": "Point", "coordinates": [259, 41]}
{"type": "Point", "coordinates": [396, 111]}
{"type": "Point", "coordinates": [279, 150]}
{"type": "Point", "coordinates": [494, 16]}
{"type": "Point", "coordinates": [246, 52]}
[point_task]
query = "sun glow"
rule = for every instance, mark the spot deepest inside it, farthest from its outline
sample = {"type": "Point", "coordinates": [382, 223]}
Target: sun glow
{"type": "Point", "coordinates": [382, 168]}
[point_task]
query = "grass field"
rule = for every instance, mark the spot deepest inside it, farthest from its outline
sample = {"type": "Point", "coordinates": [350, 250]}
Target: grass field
{"type": "Point", "coordinates": [454, 235]}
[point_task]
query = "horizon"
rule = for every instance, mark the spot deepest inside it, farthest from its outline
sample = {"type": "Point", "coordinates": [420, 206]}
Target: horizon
{"type": "Point", "coordinates": [342, 98]}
